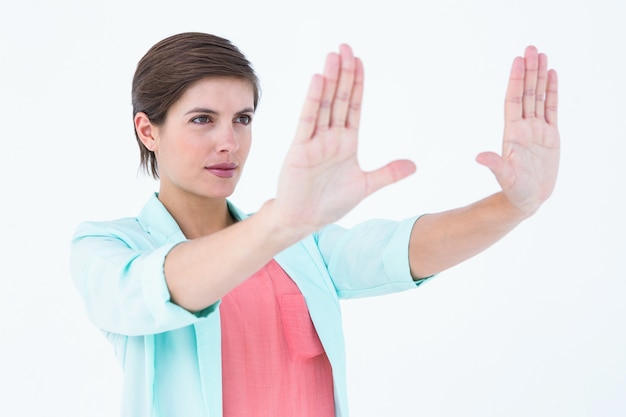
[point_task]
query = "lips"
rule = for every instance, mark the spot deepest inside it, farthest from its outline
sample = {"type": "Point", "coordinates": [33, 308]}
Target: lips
{"type": "Point", "coordinates": [224, 170]}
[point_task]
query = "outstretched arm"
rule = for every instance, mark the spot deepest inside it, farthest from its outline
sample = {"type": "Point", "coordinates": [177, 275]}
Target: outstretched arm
{"type": "Point", "coordinates": [320, 182]}
{"type": "Point", "coordinates": [526, 171]}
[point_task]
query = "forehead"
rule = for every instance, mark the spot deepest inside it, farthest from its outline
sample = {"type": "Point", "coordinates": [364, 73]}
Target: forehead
{"type": "Point", "coordinates": [218, 92]}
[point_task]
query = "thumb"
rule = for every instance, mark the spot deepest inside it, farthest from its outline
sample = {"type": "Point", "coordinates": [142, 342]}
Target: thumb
{"type": "Point", "coordinates": [388, 174]}
{"type": "Point", "coordinates": [498, 167]}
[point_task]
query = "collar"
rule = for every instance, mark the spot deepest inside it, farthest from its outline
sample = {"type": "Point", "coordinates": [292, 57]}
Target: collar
{"type": "Point", "coordinates": [159, 223]}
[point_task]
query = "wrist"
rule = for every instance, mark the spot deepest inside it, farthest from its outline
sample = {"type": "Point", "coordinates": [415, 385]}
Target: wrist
{"type": "Point", "coordinates": [279, 227]}
{"type": "Point", "coordinates": [511, 211]}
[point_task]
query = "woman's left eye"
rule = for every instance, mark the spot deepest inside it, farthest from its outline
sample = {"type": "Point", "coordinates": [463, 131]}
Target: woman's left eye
{"type": "Point", "coordinates": [244, 119]}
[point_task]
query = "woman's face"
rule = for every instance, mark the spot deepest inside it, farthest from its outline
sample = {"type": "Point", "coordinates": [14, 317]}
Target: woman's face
{"type": "Point", "coordinates": [203, 144]}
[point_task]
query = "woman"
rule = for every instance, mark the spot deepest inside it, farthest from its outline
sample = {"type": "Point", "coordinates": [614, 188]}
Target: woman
{"type": "Point", "coordinates": [212, 312]}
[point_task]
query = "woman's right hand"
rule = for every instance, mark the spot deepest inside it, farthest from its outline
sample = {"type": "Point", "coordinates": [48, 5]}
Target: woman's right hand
{"type": "Point", "coordinates": [321, 179]}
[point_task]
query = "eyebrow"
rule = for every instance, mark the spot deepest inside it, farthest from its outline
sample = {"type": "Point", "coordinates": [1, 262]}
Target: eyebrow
{"type": "Point", "coordinates": [209, 111]}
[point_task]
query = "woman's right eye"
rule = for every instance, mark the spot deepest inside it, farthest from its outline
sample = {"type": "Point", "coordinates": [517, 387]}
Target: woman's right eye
{"type": "Point", "coordinates": [201, 120]}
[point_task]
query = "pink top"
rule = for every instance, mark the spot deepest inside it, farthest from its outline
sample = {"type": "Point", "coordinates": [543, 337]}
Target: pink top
{"type": "Point", "coordinates": [273, 363]}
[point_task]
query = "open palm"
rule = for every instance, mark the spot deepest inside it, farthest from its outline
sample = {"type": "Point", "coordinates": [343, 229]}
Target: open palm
{"type": "Point", "coordinates": [321, 179]}
{"type": "Point", "coordinates": [528, 166]}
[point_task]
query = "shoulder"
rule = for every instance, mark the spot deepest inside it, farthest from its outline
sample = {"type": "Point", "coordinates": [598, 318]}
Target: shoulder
{"type": "Point", "coordinates": [123, 225]}
{"type": "Point", "coordinates": [154, 226]}
{"type": "Point", "coordinates": [126, 229]}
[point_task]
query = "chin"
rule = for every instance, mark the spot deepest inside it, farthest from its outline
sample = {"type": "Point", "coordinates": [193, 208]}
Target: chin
{"type": "Point", "coordinates": [218, 193]}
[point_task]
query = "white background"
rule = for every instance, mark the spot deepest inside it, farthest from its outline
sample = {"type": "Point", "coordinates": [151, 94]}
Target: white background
{"type": "Point", "coordinates": [535, 326]}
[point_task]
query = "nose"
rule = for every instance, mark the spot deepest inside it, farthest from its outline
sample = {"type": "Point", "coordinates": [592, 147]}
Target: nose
{"type": "Point", "coordinates": [227, 139]}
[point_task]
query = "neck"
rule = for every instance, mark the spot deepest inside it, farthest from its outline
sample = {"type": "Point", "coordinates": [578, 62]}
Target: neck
{"type": "Point", "coordinates": [198, 216]}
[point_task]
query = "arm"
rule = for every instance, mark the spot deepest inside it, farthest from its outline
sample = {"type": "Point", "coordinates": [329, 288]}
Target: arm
{"type": "Point", "coordinates": [118, 272]}
{"type": "Point", "coordinates": [319, 183]}
{"type": "Point", "coordinates": [526, 172]}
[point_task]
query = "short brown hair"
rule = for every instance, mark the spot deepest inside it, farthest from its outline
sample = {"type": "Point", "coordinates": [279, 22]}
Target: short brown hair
{"type": "Point", "coordinates": [171, 66]}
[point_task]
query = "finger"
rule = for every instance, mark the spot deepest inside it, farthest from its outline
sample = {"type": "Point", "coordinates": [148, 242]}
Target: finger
{"type": "Point", "coordinates": [310, 109]}
{"type": "Point", "coordinates": [515, 91]}
{"type": "Point", "coordinates": [495, 163]}
{"type": "Point", "coordinates": [552, 98]}
{"type": "Point", "coordinates": [542, 81]}
{"type": "Point", "coordinates": [354, 111]}
{"type": "Point", "coordinates": [341, 99]}
{"type": "Point", "coordinates": [388, 174]}
{"type": "Point", "coordinates": [530, 81]}
{"type": "Point", "coordinates": [491, 160]}
{"type": "Point", "coordinates": [331, 75]}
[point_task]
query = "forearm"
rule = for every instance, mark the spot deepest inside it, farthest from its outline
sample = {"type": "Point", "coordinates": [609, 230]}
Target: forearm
{"type": "Point", "coordinates": [442, 240]}
{"type": "Point", "coordinates": [199, 272]}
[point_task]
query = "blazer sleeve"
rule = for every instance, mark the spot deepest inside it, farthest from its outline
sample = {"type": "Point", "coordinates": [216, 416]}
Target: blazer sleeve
{"type": "Point", "coordinates": [369, 259]}
{"type": "Point", "coordinates": [120, 276]}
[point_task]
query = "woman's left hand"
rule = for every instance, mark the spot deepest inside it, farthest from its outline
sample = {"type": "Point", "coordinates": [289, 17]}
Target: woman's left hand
{"type": "Point", "coordinates": [527, 169]}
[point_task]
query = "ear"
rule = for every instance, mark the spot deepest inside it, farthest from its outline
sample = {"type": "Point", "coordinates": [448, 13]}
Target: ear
{"type": "Point", "coordinates": [146, 131]}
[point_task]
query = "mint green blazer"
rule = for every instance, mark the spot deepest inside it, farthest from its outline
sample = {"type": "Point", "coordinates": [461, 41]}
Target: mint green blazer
{"type": "Point", "coordinates": [171, 358]}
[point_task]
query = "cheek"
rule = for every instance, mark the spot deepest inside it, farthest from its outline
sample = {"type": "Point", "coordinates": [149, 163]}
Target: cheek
{"type": "Point", "coordinates": [186, 146]}
{"type": "Point", "coordinates": [176, 154]}
{"type": "Point", "coordinates": [244, 147]}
